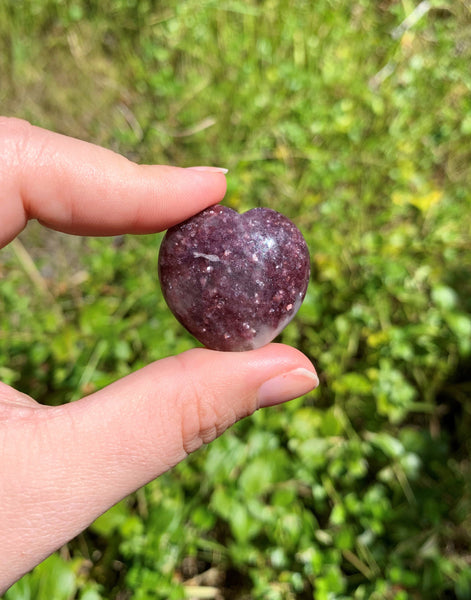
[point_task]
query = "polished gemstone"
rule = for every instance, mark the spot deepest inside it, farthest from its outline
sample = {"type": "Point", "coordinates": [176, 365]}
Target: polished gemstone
{"type": "Point", "coordinates": [234, 280]}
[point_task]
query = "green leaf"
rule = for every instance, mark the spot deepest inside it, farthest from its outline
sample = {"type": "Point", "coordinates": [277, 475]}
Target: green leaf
{"type": "Point", "coordinates": [53, 578]}
{"type": "Point", "coordinates": [444, 297]}
{"type": "Point", "coordinates": [261, 473]}
{"type": "Point", "coordinates": [111, 520]}
{"type": "Point", "coordinates": [390, 445]}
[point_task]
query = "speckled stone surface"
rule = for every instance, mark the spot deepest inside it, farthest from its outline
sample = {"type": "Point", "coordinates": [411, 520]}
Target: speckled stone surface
{"type": "Point", "coordinates": [234, 280]}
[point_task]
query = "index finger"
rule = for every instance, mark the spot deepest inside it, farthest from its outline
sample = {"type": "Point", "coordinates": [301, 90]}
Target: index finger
{"type": "Point", "coordinates": [77, 187]}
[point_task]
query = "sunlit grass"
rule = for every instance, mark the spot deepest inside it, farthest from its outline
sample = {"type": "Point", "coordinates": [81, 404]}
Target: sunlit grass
{"type": "Point", "coordinates": [363, 137]}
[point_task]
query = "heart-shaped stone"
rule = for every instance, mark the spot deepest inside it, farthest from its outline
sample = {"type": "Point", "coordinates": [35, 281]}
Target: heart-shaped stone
{"type": "Point", "coordinates": [234, 280]}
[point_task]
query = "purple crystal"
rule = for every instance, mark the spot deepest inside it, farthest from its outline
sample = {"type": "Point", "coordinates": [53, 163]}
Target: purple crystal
{"type": "Point", "coordinates": [234, 280]}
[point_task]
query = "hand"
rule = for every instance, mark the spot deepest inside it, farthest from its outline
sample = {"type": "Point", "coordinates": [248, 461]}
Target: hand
{"type": "Point", "coordinates": [61, 467]}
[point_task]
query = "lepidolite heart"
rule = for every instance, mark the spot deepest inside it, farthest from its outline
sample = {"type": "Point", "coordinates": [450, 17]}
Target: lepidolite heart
{"type": "Point", "coordinates": [234, 280]}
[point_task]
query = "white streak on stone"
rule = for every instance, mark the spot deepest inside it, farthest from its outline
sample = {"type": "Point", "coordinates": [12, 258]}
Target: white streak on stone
{"type": "Point", "coordinates": [210, 257]}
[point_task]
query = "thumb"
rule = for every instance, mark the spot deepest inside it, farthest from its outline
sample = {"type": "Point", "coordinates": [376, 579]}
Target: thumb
{"type": "Point", "coordinates": [149, 421]}
{"type": "Point", "coordinates": [90, 454]}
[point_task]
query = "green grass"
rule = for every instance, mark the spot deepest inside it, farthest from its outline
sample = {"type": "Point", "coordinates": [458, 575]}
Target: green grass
{"type": "Point", "coordinates": [362, 489]}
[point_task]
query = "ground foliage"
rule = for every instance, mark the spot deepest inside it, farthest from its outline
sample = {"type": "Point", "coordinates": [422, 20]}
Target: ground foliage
{"type": "Point", "coordinates": [358, 128]}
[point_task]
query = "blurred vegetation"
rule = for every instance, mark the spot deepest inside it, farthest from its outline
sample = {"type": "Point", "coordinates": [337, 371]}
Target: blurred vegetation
{"type": "Point", "coordinates": [359, 129]}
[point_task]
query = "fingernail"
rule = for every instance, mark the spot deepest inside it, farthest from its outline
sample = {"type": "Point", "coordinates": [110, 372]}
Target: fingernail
{"type": "Point", "coordinates": [209, 169]}
{"type": "Point", "coordinates": [286, 387]}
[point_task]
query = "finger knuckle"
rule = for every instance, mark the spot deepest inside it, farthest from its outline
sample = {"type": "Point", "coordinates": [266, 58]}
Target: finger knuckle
{"type": "Point", "coordinates": [203, 416]}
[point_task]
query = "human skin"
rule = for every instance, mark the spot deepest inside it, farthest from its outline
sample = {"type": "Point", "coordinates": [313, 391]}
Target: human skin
{"type": "Point", "coordinates": [63, 466]}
